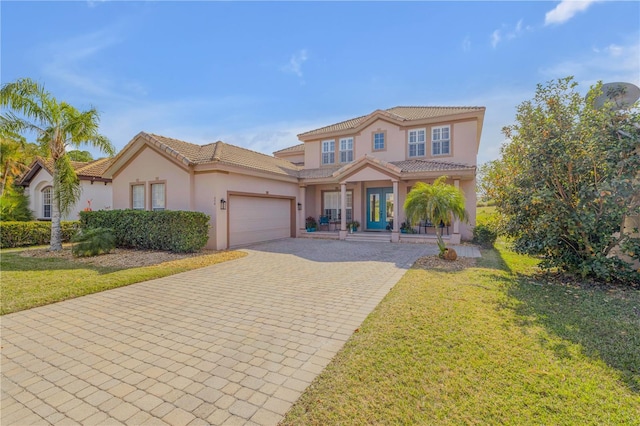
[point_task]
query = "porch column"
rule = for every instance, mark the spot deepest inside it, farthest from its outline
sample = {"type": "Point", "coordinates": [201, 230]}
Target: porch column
{"type": "Point", "coordinates": [456, 223]}
{"type": "Point", "coordinates": [343, 210]}
{"type": "Point", "coordinates": [302, 198]}
{"type": "Point", "coordinates": [395, 235]}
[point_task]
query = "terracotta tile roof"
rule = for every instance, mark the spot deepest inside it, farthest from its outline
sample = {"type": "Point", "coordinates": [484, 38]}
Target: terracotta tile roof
{"type": "Point", "coordinates": [407, 166]}
{"type": "Point", "coordinates": [84, 169]}
{"type": "Point", "coordinates": [221, 152]}
{"type": "Point", "coordinates": [412, 166]}
{"type": "Point", "coordinates": [94, 168]}
{"type": "Point", "coordinates": [323, 172]}
{"type": "Point", "coordinates": [399, 113]}
{"type": "Point", "coordinates": [295, 148]}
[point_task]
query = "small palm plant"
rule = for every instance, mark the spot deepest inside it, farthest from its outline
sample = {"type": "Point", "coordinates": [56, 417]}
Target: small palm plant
{"type": "Point", "coordinates": [438, 202]}
{"type": "Point", "coordinates": [93, 241]}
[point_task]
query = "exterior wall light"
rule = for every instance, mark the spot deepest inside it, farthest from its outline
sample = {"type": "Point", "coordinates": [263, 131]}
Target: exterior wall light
{"type": "Point", "coordinates": [223, 204]}
{"type": "Point", "coordinates": [300, 206]}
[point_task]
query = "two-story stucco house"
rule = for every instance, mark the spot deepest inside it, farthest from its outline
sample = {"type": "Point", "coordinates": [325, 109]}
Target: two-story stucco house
{"type": "Point", "coordinates": [359, 169]}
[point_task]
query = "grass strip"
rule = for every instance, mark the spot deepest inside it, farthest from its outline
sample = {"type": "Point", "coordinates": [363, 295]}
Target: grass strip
{"type": "Point", "coordinates": [30, 282]}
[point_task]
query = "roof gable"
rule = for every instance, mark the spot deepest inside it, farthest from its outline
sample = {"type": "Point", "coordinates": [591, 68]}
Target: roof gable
{"type": "Point", "coordinates": [85, 170]}
{"type": "Point", "coordinates": [400, 115]}
{"type": "Point", "coordinates": [215, 154]}
{"type": "Point", "coordinates": [367, 162]}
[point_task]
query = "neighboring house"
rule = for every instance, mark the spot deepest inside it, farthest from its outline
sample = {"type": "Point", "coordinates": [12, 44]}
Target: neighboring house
{"type": "Point", "coordinates": [360, 169]}
{"type": "Point", "coordinates": [95, 190]}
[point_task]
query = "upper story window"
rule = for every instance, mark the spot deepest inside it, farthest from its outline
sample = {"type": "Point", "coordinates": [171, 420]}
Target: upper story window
{"type": "Point", "coordinates": [417, 142]}
{"type": "Point", "coordinates": [378, 141]}
{"type": "Point", "coordinates": [157, 196]}
{"type": "Point", "coordinates": [440, 140]}
{"type": "Point", "coordinates": [47, 196]}
{"type": "Point", "coordinates": [328, 152]}
{"type": "Point", "coordinates": [346, 150]}
{"type": "Point", "coordinates": [137, 197]}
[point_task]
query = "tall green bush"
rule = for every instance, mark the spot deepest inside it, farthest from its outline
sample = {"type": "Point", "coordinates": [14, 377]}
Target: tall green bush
{"type": "Point", "coordinates": [176, 231]}
{"type": "Point", "coordinates": [566, 180]}
{"type": "Point", "coordinates": [14, 206]}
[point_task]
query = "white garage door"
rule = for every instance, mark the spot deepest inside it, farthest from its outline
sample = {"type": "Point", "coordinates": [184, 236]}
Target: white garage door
{"type": "Point", "coordinates": [255, 219]}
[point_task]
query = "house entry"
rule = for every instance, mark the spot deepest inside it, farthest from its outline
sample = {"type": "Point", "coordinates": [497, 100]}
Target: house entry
{"type": "Point", "coordinates": [379, 208]}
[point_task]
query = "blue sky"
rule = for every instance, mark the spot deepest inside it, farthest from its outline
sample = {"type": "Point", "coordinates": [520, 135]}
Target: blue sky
{"type": "Point", "coordinates": [256, 74]}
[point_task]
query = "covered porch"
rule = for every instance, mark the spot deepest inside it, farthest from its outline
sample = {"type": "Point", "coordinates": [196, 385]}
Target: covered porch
{"type": "Point", "coordinates": [370, 193]}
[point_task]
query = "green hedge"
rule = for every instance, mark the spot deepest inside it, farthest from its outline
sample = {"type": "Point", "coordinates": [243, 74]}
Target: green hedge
{"type": "Point", "coordinates": [176, 231]}
{"type": "Point", "coordinates": [21, 234]}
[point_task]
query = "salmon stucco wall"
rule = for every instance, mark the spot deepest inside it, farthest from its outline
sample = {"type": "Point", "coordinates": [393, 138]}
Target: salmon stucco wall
{"type": "Point", "coordinates": [464, 143]}
{"type": "Point", "coordinates": [211, 187]}
{"type": "Point", "coordinates": [150, 167]}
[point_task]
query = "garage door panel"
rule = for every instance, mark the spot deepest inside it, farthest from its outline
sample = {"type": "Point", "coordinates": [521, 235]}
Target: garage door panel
{"type": "Point", "coordinates": [255, 219]}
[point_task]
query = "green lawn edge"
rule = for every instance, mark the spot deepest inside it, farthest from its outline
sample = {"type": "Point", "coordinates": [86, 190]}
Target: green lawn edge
{"type": "Point", "coordinates": [492, 344]}
{"type": "Point", "coordinates": [28, 282]}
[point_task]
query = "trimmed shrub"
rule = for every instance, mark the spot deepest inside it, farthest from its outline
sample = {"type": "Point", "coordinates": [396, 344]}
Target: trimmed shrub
{"type": "Point", "coordinates": [93, 241]}
{"type": "Point", "coordinates": [485, 236]}
{"type": "Point", "coordinates": [176, 231]}
{"type": "Point", "coordinates": [22, 234]}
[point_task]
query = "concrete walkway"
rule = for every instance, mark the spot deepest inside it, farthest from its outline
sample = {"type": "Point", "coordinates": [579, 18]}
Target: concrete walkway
{"type": "Point", "coordinates": [234, 343]}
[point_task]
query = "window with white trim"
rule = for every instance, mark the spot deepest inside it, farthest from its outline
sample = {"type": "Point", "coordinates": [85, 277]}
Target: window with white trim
{"type": "Point", "coordinates": [378, 141]}
{"type": "Point", "coordinates": [47, 196]}
{"type": "Point", "coordinates": [157, 196]}
{"type": "Point", "coordinates": [137, 197]}
{"type": "Point", "coordinates": [441, 140]}
{"type": "Point", "coordinates": [332, 206]}
{"type": "Point", "coordinates": [328, 152]}
{"type": "Point", "coordinates": [346, 150]}
{"type": "Point", "coordinates": [417, 142]}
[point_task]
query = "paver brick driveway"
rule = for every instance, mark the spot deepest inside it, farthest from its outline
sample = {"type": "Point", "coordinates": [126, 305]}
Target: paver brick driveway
{"type": "Point", "coordinates": [233, 343]}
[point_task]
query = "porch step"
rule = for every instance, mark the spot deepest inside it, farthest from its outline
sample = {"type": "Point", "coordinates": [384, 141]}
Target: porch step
{"type": "Point", "coordinates": [370, 237]}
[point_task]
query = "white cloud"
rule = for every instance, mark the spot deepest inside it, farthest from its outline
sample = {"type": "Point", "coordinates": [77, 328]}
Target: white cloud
{"type": "Point", "coordinates": [295, 63]}
{"type": "Point", "coordinates": [70, 63]}
{"type": "Point", "coordinates": [615, 62]}
{"type": "Point", "coordinates": [466, 44]}
{"type": "Point", "coordinates": [495, 38]}
{"type": "Point", "coordinates": [507, 33]}
{"type": "Point", "coordinates": [566, 10]}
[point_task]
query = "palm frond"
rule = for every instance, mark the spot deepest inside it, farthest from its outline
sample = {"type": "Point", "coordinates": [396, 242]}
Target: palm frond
{"type": "Point", "coordinates": [66, 186]}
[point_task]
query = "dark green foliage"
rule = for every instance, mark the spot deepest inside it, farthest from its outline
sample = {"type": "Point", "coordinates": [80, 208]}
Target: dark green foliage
{"type": "Point", "coordinates": [176, 231]}
{"type": "Point", "coordinates": [567, 179]}
{"type": "Point", "coordinates": [14, 206]}
{"type": "Point", "coordinates": [77, 155]}
{"type": "Point", "coordinates": [485, 236]}
{"type": "Point", "coordinates": [93, 241]}
{"type": "Point", "coordinates": [22, 234]}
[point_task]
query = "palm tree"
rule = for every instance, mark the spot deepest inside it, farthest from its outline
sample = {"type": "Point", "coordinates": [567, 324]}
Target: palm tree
{"type": "Point", "coordinates": [57, 125]}
{"type": "Point", "coordinates": [438, 203]}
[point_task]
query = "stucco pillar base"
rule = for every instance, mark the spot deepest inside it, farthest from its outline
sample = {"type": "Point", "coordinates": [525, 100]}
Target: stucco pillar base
{"type": "Point", "coordinates": [343, 235]}
{"type": "Point", "coordinates": [395, 236]}
{"type": "Point", "coordinates": [455, 239]}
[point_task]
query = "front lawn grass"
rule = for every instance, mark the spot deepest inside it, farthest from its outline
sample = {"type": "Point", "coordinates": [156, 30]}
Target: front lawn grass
{"type": "Point", "coordinates": [28, 282]}
{"type": "Point", "coordinates": [492, 344]}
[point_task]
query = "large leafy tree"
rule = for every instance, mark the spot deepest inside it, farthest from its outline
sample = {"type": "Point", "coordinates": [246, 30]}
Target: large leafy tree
{"type": "Point", "coordinates": [58, 125]}
{"type": "Point", "coordinates": [566, 180]}
{"type": "Point", "coordinates": [16, 156]}
{"type": "Point", "coordinates": [438, 202]}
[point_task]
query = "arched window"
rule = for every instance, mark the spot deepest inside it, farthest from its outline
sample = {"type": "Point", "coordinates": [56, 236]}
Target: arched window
{"type": "Point", "coordinates": [47, 196]}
